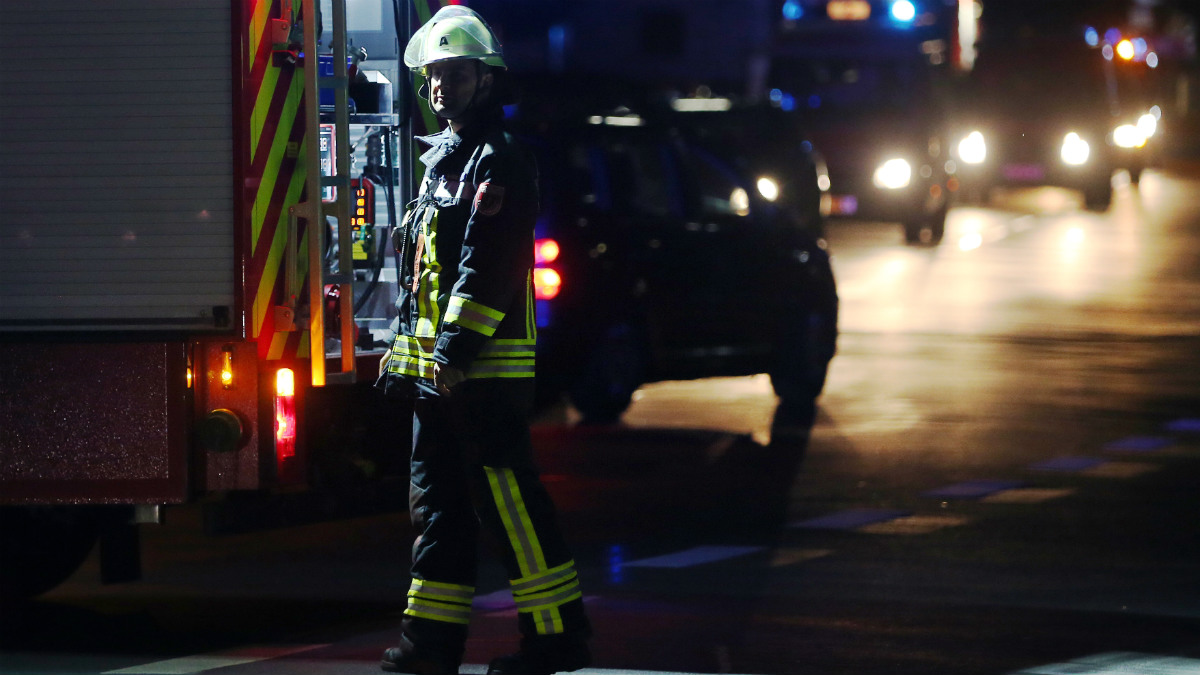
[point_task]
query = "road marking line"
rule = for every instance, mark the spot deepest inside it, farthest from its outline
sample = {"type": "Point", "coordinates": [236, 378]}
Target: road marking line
{"type": "Point", "coordinates": [792, 556]}
{"type": "Point", "coordinates": [479, 669]}
{"type": "Point", "coordinates": [1068, 464]}
{"type": "Point", "coordinates": [1139, 444]}
{"type": "Point", "coordinates": [187, 665]}
{"type": "Point", "coordinates": [914, 525]}
{"type": "Point", "coordinates": [1120, 469]}
{"type": "Point", "coordinates": [1185, 425]}
{"type": "Point", "coordinates": [1120, 663]}
{"type": "Point", "coordinates": [699, 555]}
{"type": "Point", "coordinates": [851, 519]}
{"type": "Point", "coordinates": [973, 489]}
{"type": "Point", "coordinates": [334, 665]}
{"type": "Point", "coordinates": [1028, 495]}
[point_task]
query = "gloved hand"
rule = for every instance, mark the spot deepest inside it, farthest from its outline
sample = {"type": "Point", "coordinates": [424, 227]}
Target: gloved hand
{"type": "Point", "coordinates": [446, 378]}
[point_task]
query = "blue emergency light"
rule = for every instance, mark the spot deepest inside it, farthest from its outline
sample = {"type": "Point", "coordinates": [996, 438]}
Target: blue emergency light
{"type": "Point", "coordinates": [903, 11]}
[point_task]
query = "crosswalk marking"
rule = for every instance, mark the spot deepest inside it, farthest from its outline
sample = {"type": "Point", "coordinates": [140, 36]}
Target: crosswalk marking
{"type": "Point", "coordinates": [1120, 469]}
{"type": "Point", "coordinates": [1028, 495]}
{"type": "Point", "coordinates": [1139, 444]}
{"type": "Point", "coordinates": [1068, 464]}
{"type": "Point", "coordinates": [1185, 425]}
{"type": "Point", "coordinates": [699, 555]}
{"type": "Point", "coordinates": [973, 489]}
{"type": "Point", "coordinates": [792, 556]}
{"type": "Point", "coordinates": [1120, 663]}
{"type": "Point", "coordinates": [914, 525]}
{"type": "Point", "coordinates": [188, 665]}
{"type": "Point", "coordinates": [851, 519]}
{"type": "Point", "coordinates": [473, 669]}
{"type": "Point", "coordinates": [192, 665]}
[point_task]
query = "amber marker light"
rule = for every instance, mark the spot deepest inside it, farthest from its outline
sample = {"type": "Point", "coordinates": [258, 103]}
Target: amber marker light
{"type": "Point", "coordinates": [227, 367]}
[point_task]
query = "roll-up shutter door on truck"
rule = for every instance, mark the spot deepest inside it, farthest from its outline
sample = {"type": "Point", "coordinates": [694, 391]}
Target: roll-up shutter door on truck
{"type": "Point", "coordinates": [116, 165]}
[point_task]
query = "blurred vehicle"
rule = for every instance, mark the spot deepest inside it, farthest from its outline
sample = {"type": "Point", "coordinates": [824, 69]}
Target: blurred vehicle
{"type": "Point", "coordinates": [662, 256]}
{"type": "Point", "coordinates": [866, 80]}
{"type": "Point", "coordinates": [1055, 111]}
{"type": "Point", "coordinates": [767, 145]}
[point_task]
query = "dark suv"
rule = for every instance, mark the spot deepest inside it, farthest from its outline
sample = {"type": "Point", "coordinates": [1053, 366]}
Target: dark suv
{"type": "Point", "coordinates": [660, 258]}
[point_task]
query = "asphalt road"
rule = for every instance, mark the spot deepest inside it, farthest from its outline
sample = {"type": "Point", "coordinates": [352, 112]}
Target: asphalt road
{"type": "Point", "coordinates": [1002, 478]}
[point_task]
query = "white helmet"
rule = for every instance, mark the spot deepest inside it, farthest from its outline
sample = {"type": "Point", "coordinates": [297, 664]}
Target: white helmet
{"type": "Point", "coordinates": [455, 32]}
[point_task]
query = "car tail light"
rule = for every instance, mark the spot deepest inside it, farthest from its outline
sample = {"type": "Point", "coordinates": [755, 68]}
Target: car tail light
{"type": "Point", "coordinates": [545, 251]}
{"type": "Point", "coordinates": [546, 283]}
{"type": "Point", "coordinates": [285, 414]}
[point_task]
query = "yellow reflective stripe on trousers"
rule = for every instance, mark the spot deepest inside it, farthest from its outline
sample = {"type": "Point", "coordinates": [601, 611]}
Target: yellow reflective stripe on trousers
{"type": "Point", "coordinates": [515, 516]}
{"type": "Point", "coordinates": [541, 595]}
{"type": "Point", "coordinates": [551, 577]}
{"type": "Point", "coordinates": [436, 611]}
{"type": "Point", "coordinates": [549, 600]}
{"type": "Point", "coordinates": [547, 619]}
{"type": "Point", "coordinates": [443, 592]}
{"type": "Point", "coordinates": [470, 314]}
{"type": "Point", "coordinates": [450, 603]}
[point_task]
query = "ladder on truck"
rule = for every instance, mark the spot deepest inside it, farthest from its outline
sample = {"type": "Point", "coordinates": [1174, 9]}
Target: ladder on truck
{"type": "Point", "coordinates": [315, 209]}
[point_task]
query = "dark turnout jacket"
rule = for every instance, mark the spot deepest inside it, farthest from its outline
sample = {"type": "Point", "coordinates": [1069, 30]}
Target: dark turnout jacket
{"type": "Point", "coordinates": [466, 250]}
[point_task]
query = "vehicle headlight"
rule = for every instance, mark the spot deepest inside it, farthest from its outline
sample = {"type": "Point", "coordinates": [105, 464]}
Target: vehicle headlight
{"type": "Point", "coordinates": [768, 188]}
{"type": "Point", "coordinates": [1075, 150]}
{"type": "Point", "coordinates": [1128, 136]}
{"type": "Point", "coordinates": [972, 149]}
{"type": "Point", "coordinates": [1147, 124]}
{"type": "Point", "coordinates": [893, 174]}
{"type": "Point", "coordinates": [739, 202]}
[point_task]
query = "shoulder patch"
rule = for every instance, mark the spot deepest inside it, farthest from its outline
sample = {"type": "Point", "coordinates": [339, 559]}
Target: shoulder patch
{"type": "Point", "coordinates": [489, 198]}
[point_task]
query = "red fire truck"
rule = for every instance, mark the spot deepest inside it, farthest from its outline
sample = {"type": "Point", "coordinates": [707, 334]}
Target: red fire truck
{"type": "Point", "coordinates": [189, 305]}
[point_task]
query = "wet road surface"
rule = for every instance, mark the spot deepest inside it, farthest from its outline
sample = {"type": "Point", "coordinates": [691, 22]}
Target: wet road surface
{"type": "Point", "coordinates": [1001, 479]}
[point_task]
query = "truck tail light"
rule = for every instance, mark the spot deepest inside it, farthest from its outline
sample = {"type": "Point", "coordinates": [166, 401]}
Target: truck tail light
{"type": "Point", "coordinates": [285, 414]}
{"type": "Point", "coordinates": [546, 283]}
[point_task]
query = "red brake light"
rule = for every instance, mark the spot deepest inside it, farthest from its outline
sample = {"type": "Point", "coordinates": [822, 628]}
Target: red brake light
{"type": "Point", "coordinates": [546, 283]}
{"type": "Point", "coordinates": [545, 251]}
{"type": "Point", "coordinates": [285, 415]}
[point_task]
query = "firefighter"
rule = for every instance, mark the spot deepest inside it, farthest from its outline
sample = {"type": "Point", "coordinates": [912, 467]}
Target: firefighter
{"type": "Point", "coordinates": [463, 351]}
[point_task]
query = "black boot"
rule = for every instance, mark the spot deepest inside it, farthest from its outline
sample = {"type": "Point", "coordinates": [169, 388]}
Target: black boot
{"type": "Point", "coordinates": [399, 660]}
{"type": "Point", "coordinates": [543, 658]}
{"type": "Point", "coordinates": [426, 648]}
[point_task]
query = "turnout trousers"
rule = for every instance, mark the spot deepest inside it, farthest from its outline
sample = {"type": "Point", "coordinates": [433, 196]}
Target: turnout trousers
{"type": "Point", "coordinates": [472, 468]}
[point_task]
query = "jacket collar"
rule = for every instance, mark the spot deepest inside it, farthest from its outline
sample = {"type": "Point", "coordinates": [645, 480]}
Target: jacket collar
{"type": "Point", "coordinates": [446, 141]}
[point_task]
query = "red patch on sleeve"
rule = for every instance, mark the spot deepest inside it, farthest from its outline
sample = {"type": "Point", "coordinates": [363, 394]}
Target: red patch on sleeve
{"type": "Point", "coordinates": [489, 199]}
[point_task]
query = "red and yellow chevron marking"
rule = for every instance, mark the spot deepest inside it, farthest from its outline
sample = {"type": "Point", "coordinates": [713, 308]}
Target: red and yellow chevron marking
{"type": "Point", "coordinates": [273, 100]}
